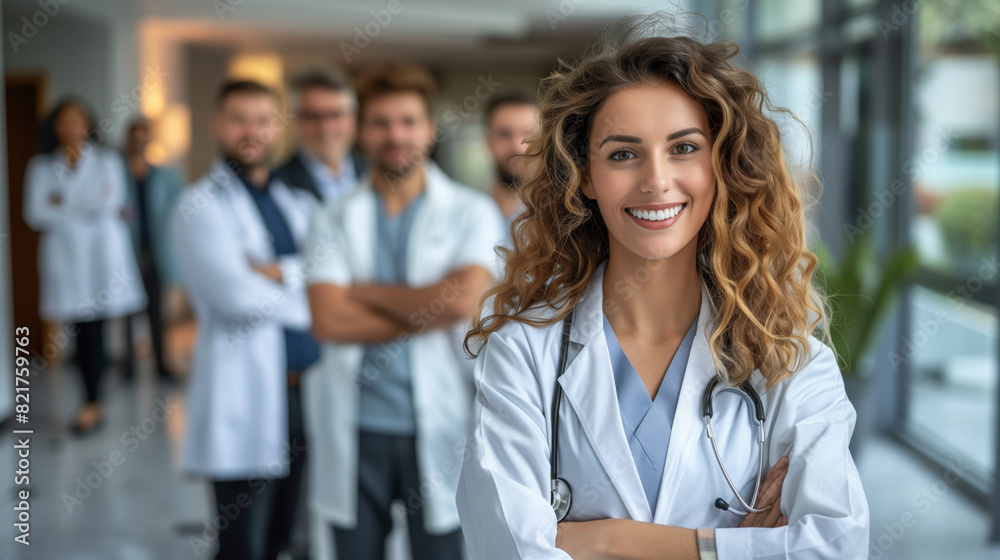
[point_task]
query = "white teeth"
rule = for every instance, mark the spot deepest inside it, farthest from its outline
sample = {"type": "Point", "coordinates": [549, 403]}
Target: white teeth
{"type": "Point", "coordinates": [657, 215]}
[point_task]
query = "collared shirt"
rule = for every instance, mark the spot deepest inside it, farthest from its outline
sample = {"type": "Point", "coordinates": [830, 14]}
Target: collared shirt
{"type": "Point", "coordinates": [331, 185]}
{"type": "Point", "coordinates": [647, 422]}
{"type": "Point", "coordinates": [301, 349]}
{"type": "Point", "coordinates": [386, 402]}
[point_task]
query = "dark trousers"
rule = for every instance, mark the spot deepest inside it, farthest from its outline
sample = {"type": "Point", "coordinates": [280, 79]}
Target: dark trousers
{"type": "Point", "coordinates": [154, 309]}
{"type": "Point", "coordinates": [387, 471]}
{"type": "Point", "coordinates": [90, 357]}
{"type": "Point", "coordinates": [265, 508]}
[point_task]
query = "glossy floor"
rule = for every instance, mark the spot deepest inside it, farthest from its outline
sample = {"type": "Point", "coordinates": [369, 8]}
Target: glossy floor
{"type": "Point", "coordinates": [117, 494]}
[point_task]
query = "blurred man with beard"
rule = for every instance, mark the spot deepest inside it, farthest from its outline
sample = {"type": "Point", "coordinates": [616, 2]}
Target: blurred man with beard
{"type": "Point", "coordinates": [510, 118]}
{"type": "Point", "coordinates": [236, 234]}
{"type": "Point", "coordinates": [407, 256]}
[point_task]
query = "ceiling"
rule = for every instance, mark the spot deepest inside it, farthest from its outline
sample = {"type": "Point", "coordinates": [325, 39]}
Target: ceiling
{"type": "Point", "coordinates": [516, 35]}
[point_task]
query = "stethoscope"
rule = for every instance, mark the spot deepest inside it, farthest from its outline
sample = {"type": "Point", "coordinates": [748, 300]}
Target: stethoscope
{"type": "Point", "coordinates": [561, 495]}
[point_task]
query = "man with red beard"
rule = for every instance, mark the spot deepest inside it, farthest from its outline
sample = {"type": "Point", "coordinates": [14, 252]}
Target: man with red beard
{"type": "Point", "coordinates": [401, 263]}
{"type": "Point", "coordinates": [236, 234]}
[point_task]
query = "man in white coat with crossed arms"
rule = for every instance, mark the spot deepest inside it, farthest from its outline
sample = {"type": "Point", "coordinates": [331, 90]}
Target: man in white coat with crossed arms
{"type": "Point", "coordinates": [388, 407]}
{"type": "Point", "coordinates": [237, 233]}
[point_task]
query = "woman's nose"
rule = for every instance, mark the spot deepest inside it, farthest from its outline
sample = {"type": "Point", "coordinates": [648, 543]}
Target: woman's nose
{"type": "Point", "coordinates": [657, 175]}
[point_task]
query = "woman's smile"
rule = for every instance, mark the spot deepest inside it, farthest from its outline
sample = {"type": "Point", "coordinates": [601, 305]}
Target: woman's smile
{"type": "Point", "coordinates": [656, 216]}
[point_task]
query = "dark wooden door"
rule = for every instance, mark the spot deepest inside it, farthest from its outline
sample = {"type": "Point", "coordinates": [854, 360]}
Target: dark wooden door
{"type": "Point", "coordinates": [23, 106]}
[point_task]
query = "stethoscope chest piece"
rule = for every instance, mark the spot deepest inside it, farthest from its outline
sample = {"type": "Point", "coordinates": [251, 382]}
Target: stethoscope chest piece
{"type": "Point", "coordinates": [561, 498]}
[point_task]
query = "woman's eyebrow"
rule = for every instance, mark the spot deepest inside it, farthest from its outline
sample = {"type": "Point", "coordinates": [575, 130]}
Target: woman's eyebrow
{"type": "Point", "coordinates": [637, 140]}
{"type": "Point", "coordinates": [685, 132]}
{"type": "Point", "coordinates": [620, 138]}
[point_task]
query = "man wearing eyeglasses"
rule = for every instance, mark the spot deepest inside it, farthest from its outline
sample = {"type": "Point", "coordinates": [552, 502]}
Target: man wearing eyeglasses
{"type": "Point", "coordinates": [326, 118]}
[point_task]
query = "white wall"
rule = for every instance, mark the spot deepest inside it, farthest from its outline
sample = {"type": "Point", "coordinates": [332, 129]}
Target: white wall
{"type": "Point", "coordinates": [72, 52]}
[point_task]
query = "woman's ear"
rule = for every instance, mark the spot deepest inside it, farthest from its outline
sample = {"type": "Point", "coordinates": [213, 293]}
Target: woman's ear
{"type": "Point", "coordinates": [586, 186]}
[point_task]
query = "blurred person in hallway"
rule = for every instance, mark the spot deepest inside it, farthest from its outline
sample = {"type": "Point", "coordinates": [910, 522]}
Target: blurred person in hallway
{"type": "Point", "coordinates": [236, 234]}
{"type": "Point", "coordinates": [405, 257]}
{"type": "Point", "coordinates": [75, 195]}
{"type": "Point", "coordinates": [510, 118]}
{"type": "Point", "coordinates": [152, 193]}
{"type": "Point", "coordinates": [326, 117]}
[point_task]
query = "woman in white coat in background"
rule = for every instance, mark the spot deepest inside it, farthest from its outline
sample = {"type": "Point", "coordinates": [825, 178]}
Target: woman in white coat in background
{"type": "Point", "coordinates": [661, 219]}
{"type": "Point", "coordinates": [74, 196]}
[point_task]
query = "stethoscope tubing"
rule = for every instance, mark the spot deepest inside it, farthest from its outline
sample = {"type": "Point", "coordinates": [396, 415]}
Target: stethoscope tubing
{"type": "Point", "coordinates": [561, 495]}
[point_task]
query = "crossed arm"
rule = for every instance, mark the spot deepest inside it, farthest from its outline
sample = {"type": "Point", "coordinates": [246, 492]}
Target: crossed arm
{"type": "Point", "coordinates": [626, 539]}
{"type": "Point", "coordinates": [370, 313]}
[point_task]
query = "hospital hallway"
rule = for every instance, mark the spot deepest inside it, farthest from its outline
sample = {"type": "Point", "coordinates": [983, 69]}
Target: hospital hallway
{"type": "Point", "coordinates": [85, 508]}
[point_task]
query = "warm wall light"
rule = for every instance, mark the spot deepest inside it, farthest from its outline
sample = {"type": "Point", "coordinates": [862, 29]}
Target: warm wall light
{"type": "Point", "coordinates": [156, 154]}
{"type": "Point", "coordinates": [153, 101]}
{"type": "Point", "coordinates": [174, 130]}
{"type": "Point", "coordinates": [265, 68]}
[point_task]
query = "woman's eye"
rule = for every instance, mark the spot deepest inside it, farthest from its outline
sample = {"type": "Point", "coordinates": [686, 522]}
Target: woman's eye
{"type": "Point", "coordinates": [685, 149]}
{"type": "Point", "coordinates": [620, 155]}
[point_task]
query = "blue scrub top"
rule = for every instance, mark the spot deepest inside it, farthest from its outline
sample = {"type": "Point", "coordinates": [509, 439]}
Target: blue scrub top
{"type": "Point", "coordinates": [647, 422]}
{"type": "Point", "coordinates": [386, 400]}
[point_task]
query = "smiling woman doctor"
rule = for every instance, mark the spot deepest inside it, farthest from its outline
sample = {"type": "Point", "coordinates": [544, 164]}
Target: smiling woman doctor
{"type": "Point", "coordinates": [664, 233]}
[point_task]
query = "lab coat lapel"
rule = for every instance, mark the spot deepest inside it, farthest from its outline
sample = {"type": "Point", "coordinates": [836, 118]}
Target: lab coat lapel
{"type": "Point", "coordinates": [687, 424]}
{"type": "Point", "coordinates": [253, 235]}
{"type": "Point", "coordinates": [292, 209]}
{"type": "Point", "coordinates": [359, 229]}
{"type": "Point", "coordinates": [430, 226]}
{"type": "Point", "coordinates": [589, 386]}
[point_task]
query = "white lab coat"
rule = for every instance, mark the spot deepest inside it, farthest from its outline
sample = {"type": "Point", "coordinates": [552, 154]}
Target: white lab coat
{"type": "Point", "coordinates": [454, 227]}
{"type": "Point", "coordinates": [503, 496]}
{"type": "Point", "coordinates": [237, 425]}
{"type": "Point", "coordinates": [86, 264]}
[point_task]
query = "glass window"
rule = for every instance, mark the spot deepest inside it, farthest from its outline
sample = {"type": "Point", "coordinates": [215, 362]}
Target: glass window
{"type": "Point", "coordinates": [950, 350]}
{"type": "Point", "coordinates": [955, 168]}
{"type": "Point", "coordinates": [955, 172]}
{"type": "Point", "coordinates": [794, 82]}
{"type": "Point", "coordinates": [779, 19]}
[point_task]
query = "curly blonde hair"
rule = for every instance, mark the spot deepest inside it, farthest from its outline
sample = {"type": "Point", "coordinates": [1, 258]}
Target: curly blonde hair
{"type": "Point", "coordinates": [752, 251]}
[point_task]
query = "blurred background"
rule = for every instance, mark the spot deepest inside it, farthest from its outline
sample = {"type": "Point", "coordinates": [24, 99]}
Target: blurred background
{"type": "Point", "coordinates": [898, 116]}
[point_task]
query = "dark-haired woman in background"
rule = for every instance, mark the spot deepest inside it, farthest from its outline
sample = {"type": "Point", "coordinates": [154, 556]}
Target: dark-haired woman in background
{"type": "Point", "coordinates": [74, 194]}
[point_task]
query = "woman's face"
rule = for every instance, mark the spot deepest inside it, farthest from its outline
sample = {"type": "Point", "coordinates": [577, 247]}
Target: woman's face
{"type": "Point", "coordinates": [650, 170]}
{"type": "Point", "coordinates": [71, 126]}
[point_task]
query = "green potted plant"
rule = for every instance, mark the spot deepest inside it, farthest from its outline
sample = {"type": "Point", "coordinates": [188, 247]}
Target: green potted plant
{"type": "Point", "coordinates": [968, 221]}
{"type": "Point", "coordinates": [861, 289]}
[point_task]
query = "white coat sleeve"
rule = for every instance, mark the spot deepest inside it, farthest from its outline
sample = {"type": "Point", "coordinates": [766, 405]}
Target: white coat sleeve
{"type": "Point", "coordinates": [39, 186]}
{"type": "Point", "coordinates": [503, 492]}
{"type": "Point", "coordinates": [480, 234]}
{"type": "Point", "coordinates": [212, 262]}
{"type": "Point", "coordinates": [821, 497]}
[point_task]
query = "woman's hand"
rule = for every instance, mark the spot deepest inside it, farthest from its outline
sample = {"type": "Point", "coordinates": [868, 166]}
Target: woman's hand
{"type": "Point", "coordinates": [770, 495]}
